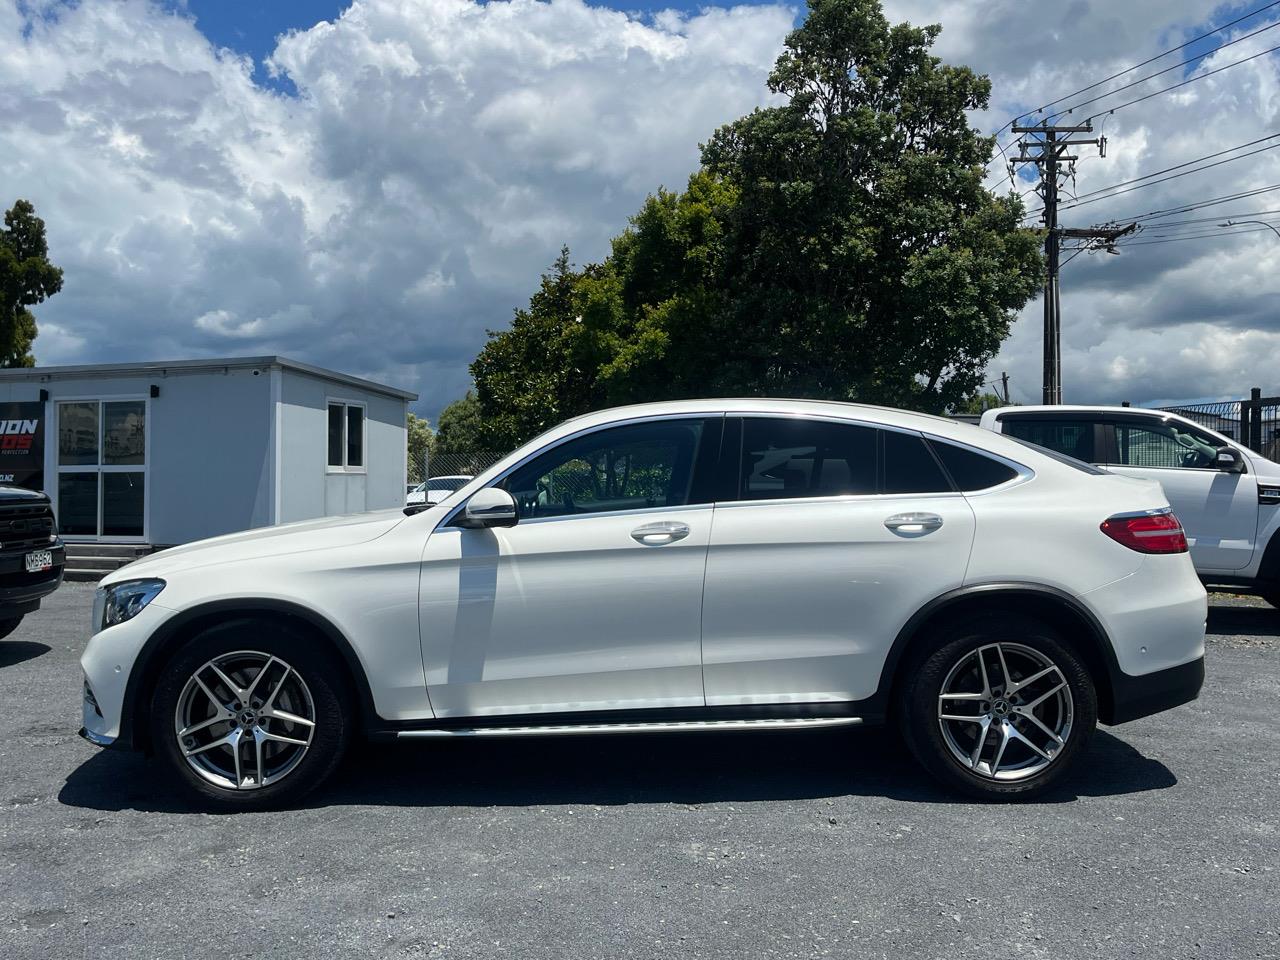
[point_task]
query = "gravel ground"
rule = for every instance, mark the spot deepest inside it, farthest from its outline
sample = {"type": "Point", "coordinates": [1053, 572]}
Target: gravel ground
{"type": "Point", "coordinates": [1164, 845]}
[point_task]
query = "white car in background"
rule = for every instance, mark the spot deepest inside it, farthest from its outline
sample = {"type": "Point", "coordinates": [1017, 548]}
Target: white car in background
{"type": "Point", "coordinates": [683, 566]}
{"type": "Point", "coordinates": [1227, 496]}
{"type": "Point", "coordinates": [437, 489]}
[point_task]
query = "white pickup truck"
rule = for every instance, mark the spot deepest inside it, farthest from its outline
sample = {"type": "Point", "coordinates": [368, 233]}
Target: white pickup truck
{"type": "Point", "coordinates": [1227, 496]}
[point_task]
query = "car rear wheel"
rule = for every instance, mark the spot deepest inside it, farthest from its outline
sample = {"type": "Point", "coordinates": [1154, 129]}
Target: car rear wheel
{"type": "Point", "coordinates": [1271, 593]}
{"type": "Point", "coordinates": [251, 715]}
{"type": "Point", "coordinates": [9, 625]}
{"type": "Point", "coordinates": [1000, 709]}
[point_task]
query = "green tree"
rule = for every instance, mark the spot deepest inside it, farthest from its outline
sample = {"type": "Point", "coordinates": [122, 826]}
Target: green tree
{"type": "Point", "coordinates": [979, 403]}
{"type": "Point", "coordinates": [459, 431]}
{"type": "Point", "coordinates": [26, 279]}
{"type": "Point", "coordinates": [869, 261]}
{"type": "Point", "coordinates": [840, 245]}
{"type": "Point", "coordinates": [420, 439]}
{"type": "Point", "coordinates": [546, 366]}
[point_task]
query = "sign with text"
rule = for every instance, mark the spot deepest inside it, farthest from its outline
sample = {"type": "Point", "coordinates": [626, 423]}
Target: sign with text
{"type": "Point", "coordinates": [22, 445]}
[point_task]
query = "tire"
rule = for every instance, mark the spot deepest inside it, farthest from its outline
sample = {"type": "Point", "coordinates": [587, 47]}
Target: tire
{"type": "Point", "coordinates": [1269, 592]}
{"type": "Point", "coordinates": [1064, 702]}
{"type": "Point", "coordinates": [199, 694]}
{"type": "Point", "coordinates": [8, 626]}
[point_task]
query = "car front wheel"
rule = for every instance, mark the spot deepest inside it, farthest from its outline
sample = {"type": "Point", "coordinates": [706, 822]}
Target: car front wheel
{"type": "Point", "coordinates": [1000, 709]}
{"type": "Point", "coordinates": [251, 715]}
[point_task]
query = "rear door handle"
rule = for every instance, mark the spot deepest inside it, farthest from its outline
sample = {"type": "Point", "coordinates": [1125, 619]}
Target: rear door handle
{"type": "Point", "coordinates": [661, 533]}
{"type": "Point", "coordinates": [917, 523]}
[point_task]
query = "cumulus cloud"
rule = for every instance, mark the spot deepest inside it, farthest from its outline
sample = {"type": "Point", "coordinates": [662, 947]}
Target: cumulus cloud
{"type": "Point", "coordinates": [432, 156]}
{"type": "Point", "coordinates": [434, 159]}
{"type": "Point", "coordinates": [1187, 319]}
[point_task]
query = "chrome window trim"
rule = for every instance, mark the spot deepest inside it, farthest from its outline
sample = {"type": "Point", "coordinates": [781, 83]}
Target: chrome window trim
{"type": "Point", "coordinates": [1024, 473]}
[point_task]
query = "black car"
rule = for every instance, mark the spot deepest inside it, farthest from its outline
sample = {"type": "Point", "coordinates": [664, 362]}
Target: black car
{"type": "Point", "coordinates": [31, 555]}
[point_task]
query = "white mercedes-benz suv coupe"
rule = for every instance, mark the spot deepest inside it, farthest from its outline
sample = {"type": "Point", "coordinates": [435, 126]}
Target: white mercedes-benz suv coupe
{"type": "Point", "coordinates": [692, 565]}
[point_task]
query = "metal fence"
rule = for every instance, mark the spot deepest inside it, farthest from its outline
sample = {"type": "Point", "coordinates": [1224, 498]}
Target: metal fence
{"type": "Point", "coordinates": [451, 465]}
{"type": "Point", "coordinates": [1254, 422]}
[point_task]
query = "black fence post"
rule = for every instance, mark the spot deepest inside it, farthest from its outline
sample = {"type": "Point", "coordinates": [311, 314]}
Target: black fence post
{"type": "Point", "coordinates": [1254, 435]}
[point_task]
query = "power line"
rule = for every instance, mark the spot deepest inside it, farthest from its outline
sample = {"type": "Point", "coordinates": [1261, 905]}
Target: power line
{"type": "Point", "coordinates": [1179, 166]}
{"type": "Point", "coordinates": [1093, 195]}
{"type": "Point", "coordinates": [1197, 205]}
{"type": "Point", "coordinates": [1138, 66]}
{"type": "Point", "coordinates": [1195, 236]}
{"type": "Point", "coordinates": [1209, 166]}
{"type": "Point", "coordinates": [1229, 216]}
{"type": "Point", "coordinates": [1160, 73]}
{"type": "Point", "coordinates": [1199, 76]}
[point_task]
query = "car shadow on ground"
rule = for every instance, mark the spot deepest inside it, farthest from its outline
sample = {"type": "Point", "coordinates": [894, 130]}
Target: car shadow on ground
{"type": "Point", "coordinates": [607, 770]}
{"type": "Point", "coordinates": [13, 652]}
{"type": "Point", "coordinates": [1232, 620]}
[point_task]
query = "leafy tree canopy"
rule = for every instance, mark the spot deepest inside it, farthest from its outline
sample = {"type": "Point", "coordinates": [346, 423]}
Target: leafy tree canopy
{"type": "Point", "coordinates": [840, 245]}
{"type": "Point", "coordinates": [26, 279]}
{"type": "Point", "coordinates": [459, 431]}
{"type": "Point", "coordinates": [420, 439]}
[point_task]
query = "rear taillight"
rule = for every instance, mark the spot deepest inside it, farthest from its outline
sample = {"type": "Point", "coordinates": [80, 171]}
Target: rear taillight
{"type": "Point", "coordinates": [1154, 532]}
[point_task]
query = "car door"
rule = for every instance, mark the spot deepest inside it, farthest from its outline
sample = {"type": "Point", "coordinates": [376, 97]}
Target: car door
{"type": "Point", "coordinates": [1218, 510]}
{"type": "Point", "coordinates": [820, 555]}
{"type": "Point", "coordinates": [593, 600]}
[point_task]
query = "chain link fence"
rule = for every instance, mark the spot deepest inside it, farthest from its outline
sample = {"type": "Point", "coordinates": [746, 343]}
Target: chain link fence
{"type": "Point", "coordinates": [451, 465]}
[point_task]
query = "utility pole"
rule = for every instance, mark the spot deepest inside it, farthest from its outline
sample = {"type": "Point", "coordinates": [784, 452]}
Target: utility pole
{"type": "Point", "coordinates": [1048, 151]}
{"type": "Point", "coordinates": [1004, 387]}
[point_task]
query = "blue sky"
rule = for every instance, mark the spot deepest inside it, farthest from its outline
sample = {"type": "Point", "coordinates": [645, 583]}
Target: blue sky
{"type": "Point", "coordinates": [251, 26]}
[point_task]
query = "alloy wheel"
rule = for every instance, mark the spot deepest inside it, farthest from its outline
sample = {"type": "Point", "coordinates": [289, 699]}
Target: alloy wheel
{"type": "Point", "coordinates": [244, 720]}
{"type": "Point", "coordinates": [1006, 711]}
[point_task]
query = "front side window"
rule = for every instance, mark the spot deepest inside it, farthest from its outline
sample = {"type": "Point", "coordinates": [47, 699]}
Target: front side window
{"type": "Point", "coordinates": [1164, 445]}
{"type": "Point", "coordinates": [630, 467]}
{"type": "Point", "coordinates": [1071, 438]}
{"type": "Point", "coordinates": [786, 458]}
{"type": "Point", "coordinates": [346, 436]}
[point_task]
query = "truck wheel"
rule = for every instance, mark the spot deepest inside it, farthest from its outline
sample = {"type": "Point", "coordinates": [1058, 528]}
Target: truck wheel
{"type": "Point", "coordinates": [8, 626]}
{"type": "Point", "coordinates": [1000, 709]}
{"type": "Point", "coordinates": [251, 715]}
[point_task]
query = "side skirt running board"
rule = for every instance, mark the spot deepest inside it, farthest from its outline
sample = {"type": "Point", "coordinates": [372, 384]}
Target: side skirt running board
{"type": "Point", "coordinates": [657, 726]}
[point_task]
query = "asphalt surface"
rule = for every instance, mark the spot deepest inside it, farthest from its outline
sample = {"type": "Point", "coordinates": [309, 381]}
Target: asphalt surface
{"type": "Point", "coordinates": [1164, 845]}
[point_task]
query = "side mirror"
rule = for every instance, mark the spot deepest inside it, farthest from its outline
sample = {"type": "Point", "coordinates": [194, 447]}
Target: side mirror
{"type": "Point", "coordinates": [490, 507]}
{"type": "Point", "coordinates": [1229, 460]}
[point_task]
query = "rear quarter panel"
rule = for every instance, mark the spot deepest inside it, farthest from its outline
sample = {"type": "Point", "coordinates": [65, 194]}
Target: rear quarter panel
{"type": "Point", "coordinates": [1046, 530]}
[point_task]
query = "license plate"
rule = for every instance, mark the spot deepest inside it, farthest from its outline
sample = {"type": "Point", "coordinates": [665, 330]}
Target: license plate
{"type": "Point", "coordinates": [39, 560]}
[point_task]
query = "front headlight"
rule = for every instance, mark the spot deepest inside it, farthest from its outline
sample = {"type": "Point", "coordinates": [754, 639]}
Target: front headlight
{"type": "Point", "coordinates": [124, 601]}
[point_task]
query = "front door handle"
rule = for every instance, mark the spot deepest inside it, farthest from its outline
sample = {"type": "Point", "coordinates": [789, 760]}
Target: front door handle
{"type": "Point", "coordinates": [913, 523]}
{"type": "Point", "coordinates": [661, 533]}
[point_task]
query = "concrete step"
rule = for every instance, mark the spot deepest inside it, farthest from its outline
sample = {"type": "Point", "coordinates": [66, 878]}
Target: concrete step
{"type": "Point", "coordinates": [81, 575]}
{"type": "Point", "coordinates": [126, 551]}
{"type": "Point", "coordinates": [105, 564]}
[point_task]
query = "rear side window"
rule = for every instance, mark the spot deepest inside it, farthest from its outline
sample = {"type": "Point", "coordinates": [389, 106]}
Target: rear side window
{"type": "Point", "coordinates": [790, 458]}
{"type": "Point", "coordinates": [969, 469]}
{"type": "Point", "coordinates": [909, 467]}
{"type": "Point", "coordinates": [1071, 438]}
